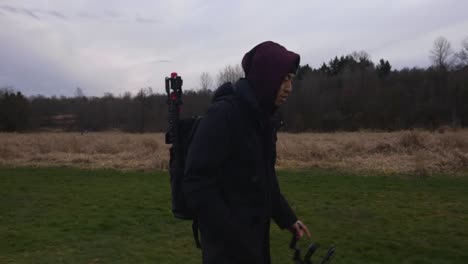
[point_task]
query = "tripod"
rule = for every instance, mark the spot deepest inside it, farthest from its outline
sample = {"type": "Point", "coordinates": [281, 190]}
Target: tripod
{"type": "Point", "coordinates": [310, 251]}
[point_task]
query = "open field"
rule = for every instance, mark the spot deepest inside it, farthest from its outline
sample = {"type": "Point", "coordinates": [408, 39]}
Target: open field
{"type": "Point", "coordinates": [417, 152]}
{"type": "Point", "coordinates": [60, 215]}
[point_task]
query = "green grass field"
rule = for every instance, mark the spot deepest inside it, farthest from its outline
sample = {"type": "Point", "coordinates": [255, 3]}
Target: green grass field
{"type": "Point", "coordinates": [62, 215]}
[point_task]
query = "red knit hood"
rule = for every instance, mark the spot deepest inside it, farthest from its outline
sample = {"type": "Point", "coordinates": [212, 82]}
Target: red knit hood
{"type": "Point", "coordinates": [265, 67]}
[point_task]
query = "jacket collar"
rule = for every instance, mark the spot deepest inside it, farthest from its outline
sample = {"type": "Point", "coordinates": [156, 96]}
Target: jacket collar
{"type": "Point", "coordinates": [244, 91]}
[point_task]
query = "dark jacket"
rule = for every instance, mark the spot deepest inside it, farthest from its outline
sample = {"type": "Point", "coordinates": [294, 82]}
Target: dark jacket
{"type": "Point", "coordinates": [230, 179]}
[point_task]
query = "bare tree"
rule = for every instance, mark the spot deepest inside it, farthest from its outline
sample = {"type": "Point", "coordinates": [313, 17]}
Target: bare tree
{"type": "Point", "coordinates": [79, 93]}
{"type": "Point", "coordinates": [145, 92]}
{"type": "Point", "coordinates": [361, 56]}
{"type": "Point", "coordinates": [206, 82]}
{"type": "Point", "coordinates": [6, 89]}
{"type": "Point", "coordinates": [462, 56]}
{"type": "Point", "coordinates": [441, 54]}
{"type": "Point", "coordinates": [230, 74]}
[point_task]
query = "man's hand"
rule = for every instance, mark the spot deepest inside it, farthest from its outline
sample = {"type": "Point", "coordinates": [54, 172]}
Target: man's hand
{"type": "Point", "coordinates": [298, 229]}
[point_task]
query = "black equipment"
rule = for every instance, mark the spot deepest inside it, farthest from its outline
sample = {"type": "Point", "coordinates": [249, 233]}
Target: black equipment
{"type": "Point", "coordinates": [310, 251]}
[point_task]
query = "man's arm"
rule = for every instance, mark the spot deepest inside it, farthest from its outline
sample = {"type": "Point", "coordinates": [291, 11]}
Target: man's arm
{"type": "Point", "coordinates": [282, 213]}
{"type": "Point", "coordinates": [285, 217]}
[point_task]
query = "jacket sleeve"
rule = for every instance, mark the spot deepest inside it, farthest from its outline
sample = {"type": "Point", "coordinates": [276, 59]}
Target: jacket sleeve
{"type": "Point", "coordinates": [207, 154]}
{"type": "Point", "coordinates": [282, 213]}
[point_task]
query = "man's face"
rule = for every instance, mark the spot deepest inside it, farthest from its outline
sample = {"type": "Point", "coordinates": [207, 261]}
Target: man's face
{"type": "Point", "coordinates": [284, 90]}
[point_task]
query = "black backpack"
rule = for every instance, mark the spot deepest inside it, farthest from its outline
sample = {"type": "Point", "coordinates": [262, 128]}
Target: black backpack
{"type": "Point", "coordinates": [186, 129]}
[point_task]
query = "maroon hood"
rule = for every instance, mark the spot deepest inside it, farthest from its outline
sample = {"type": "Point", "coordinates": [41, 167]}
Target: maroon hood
{"type": "Point", "coordinates": [265, 67]}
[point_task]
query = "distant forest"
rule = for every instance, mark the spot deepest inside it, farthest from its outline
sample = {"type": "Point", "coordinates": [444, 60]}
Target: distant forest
{"type": "Point", "coordinates": [347, 93]}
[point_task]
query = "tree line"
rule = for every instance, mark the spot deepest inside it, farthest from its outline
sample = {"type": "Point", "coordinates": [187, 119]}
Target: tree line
{"type": "Point", "coordinates": [348, 92]}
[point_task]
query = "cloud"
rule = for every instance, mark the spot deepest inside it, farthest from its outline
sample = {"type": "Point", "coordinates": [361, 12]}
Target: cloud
{"type": "Point", "coordinates": [21, 11]}
{"type": "Point", "coordinates": [3, 79]}
{"type": "Point", "coordinates": [144, 20]}
{"type": "Point", "coordinates": [162, 61]}
{"type": "Point", "coordinates": [33, 13]}
{"type": "Point", "coordinates": [87, 15]}
{"type": "Point", "coordinates": [112, 13]}
{"type": "Point", "coordinates": [126, 46]}
{"type": "Point", "coordinates": [38, 13]}
{"type": "Point", "coordinates": [56, 14]}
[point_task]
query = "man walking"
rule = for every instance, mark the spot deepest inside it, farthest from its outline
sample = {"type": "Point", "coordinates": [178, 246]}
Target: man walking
{"type": "Point", "coordinates": [230, 180]}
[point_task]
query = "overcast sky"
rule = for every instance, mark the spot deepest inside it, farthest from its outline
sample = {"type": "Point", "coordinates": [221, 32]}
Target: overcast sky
{"type": "Point", "coordinates": [50, 47]}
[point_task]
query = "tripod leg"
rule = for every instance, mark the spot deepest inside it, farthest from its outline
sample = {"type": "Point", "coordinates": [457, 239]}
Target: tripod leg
{"type": "Point", "coordinates": [329, 256]}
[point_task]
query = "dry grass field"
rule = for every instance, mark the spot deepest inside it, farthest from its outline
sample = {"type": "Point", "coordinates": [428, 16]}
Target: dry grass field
{"type": "Point", "coordinates": [414, 152]}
